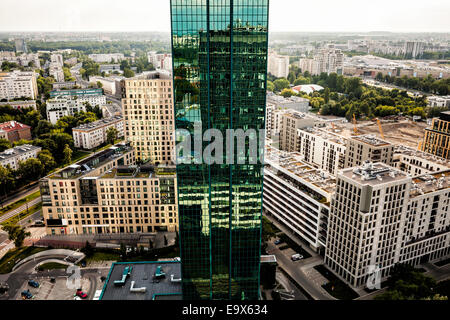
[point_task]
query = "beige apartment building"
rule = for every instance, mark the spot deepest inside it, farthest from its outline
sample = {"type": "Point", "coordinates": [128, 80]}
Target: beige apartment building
{"type": "Point", "coordinates": [291, 122]}
{"type": "Point", "coordinates": [108, 193]}
{"type": "Point", "coordinates": [437, 137]}
{"type": "Point", "coordinates": [368, 147]}
{"type": "Point", "coordinates": [148, 116]}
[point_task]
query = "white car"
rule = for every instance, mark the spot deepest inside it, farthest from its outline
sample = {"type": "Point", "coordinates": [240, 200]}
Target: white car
{"type": "Point", "coordinates": [296, 257]}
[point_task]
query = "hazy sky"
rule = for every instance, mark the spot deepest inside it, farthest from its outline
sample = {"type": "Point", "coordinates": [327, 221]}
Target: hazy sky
{"type": "Point", "coordinates": [285, 15]}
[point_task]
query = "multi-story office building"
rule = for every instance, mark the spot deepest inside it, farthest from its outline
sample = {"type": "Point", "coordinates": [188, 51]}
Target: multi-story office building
{"type": "Point", "coordinates": [108, 193]}
{"type": "Point", "coordinates": [21, 46]}
{"type": "Point", "coordinates": [15, 131]}
{"type": "Point", "coordinates": [278, 65]}
{"type": "Point", "coordinates": [17, 84]}
{"type": "Point", "coordinates": [381, 216]}
{"type": "Point", "coordinates": [220, 69]}
{"type": "Point", "coordinates": [148, 116]}
{"type": "Point", "coordinates": [13, 156]}
{"type": "Point", "coordinates": [368, 147]}
{"type": "Point", "coordinates": [91, 135]}
{"type": "Point", "coordinates": [330, 60]}
{"type": "Point", "coordinates": [437, 137]}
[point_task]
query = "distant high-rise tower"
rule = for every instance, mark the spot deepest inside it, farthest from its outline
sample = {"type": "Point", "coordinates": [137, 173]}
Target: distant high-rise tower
{"type": "Point", "coordinates": [21, 46]}
{"type": "Point", "coordinates": [220, 70]}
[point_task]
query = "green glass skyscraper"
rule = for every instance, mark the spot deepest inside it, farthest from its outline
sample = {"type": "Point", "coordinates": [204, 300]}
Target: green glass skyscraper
{"type": "Point", "coordinates": [220, 70]}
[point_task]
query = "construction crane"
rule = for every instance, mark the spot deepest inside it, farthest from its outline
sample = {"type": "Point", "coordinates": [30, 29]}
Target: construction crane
{"type": "Point", "coordinates": [355, 129]}
{"type": "Point", "coordinates": [381, 128]}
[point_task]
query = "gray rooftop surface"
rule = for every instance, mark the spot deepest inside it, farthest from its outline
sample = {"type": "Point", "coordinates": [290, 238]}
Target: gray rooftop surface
{"type": "Point", "coordinates": [142, 274]}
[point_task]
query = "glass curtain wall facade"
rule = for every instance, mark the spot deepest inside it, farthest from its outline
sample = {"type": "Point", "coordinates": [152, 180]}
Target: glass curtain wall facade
{"type": "Point", "coordinates": [219, 52]}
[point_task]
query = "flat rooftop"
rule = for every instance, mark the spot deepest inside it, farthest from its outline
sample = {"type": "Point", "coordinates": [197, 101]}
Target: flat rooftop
{"type": "Point", "coordinates": [14, 152]}
{"type": "Point", "coordinates": [374, 174]}
{"type": "Point", "coordinates": [142, 274]}
{"type": "Point", "coordinates": [98, 123]}
{"type": "Point", "coordinates": [430, 183]}
{"type": "Point", "coordinates": [372, 140]}
{"type": "Point", "coordinates": [85, 166]}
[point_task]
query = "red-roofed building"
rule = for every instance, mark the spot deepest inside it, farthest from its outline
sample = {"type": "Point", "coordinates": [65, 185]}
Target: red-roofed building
{"type": "Point", "coordinates": [15, 131]}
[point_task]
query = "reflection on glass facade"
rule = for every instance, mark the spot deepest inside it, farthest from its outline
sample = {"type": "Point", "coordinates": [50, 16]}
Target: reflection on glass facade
{"type": "Point", "coordinates": [220, 70]}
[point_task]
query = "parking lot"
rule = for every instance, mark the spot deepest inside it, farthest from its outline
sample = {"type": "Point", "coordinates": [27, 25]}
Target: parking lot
{"type": "Point", "coordinates": [57, 290]}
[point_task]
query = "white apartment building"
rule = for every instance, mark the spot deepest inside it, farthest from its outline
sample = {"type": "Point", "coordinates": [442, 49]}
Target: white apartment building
{"type": "Point", "coordinates": [322, 148]}
{"type": "Point", "coordinates": [59, 107]}
{"type": "Point", "coordinates": [310, 65]}
{"type": "Point", "coordinates": [278, 65]}
{"type": "Point", "coordinates": [91, 135]}
{"type": "Point", "coordinates": [381, 216]}
{"type": "Point", "coordinates": [13, 156]}
{"type": "Point", "coordinates": [55, 70]}
{"type": "Point", "coordinates": [57, 59]}
{"type": "Point", "coordinates": [330, 60]}
{"type": "Point", "coordinates": [161, 61]}
{"type": "Point", "coordinates": [23, 59]}
{"type": "Point", "coordinates": [107, 57]}
{"type": "Point", "coordinates": [111, 85]}
{"type": "Point", "coordinates": [18, 84]}
{"type": "Point", "coordinates": [439, 101]}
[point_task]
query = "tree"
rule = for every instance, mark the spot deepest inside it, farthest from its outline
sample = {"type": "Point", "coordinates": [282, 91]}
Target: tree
{"type": "Point", "coordinates": [111, 135]}
{"type": "Point", "coordinates": [67, 154]}
{"type": "Point", "coordinates": [16, 234]}
{"type": "Point", "coordinates": [270, 86]}
{"type": "Point", "coordinates": [4, 145]}
{"type": "Point", "coordinates": [281, 84]}
{"type": "Point", "coordinates": [30, 170]}
{"type": "Point", "coordinates": [99, 84]}
{"type": "Point", "coordinates": [47, 160]}
{"type": "Point", "coordinates": [128, 73]}
{"type": "Point", "coordinates": [43, 127]}
{"type": "Point", "coordinates": [6, 179]}
{"type": "Point", "coordinates": [287, 93]}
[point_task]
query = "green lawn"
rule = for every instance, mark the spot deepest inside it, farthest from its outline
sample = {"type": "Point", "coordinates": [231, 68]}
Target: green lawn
{"type": "Point", "coordinates": [15, 255]}
{"type": "Point", "coordinates": [52, 266]}
{"type": "Point", "coordinates": [335, 286]}
{"type": "Point", "coordinates": [77, 155]}
{"type": "Point", "coordinates": [20, 202]}
{"type": "Point", "coordinates": [104, 256]}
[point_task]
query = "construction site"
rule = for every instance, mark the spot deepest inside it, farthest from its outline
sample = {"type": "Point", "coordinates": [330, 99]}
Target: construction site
{"type": "Point", "coordinates": [400, 131]}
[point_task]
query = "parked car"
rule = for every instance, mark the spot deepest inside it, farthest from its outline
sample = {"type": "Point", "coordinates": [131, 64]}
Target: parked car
{"type": "Point", "coordinates": [277, 242]}
{"type": "Point", "coordinates": [296, 257]}
{"type": "Point", "coordinates": [33, 283]}
{"type": "Point", "coordinates": [26, 295]}
{"type": "Point", "coordinates": [81, 294]}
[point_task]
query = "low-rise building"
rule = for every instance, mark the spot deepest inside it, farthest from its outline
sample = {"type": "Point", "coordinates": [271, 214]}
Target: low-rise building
{"type": "Point", "coordinates": [108, 193]}
{"type": "Point", "coordinates": [107, 57]}
{"type": "Point", "coordinates": [65, 85]}
{"type": "Point", "coordinates": [91, 135]}
{"type": "Point", "coordinates": [20, 104]}
{"type": "Point", "coordinates": [15, 131]}
{"type": "Point", "coordinates": [13, 156]}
